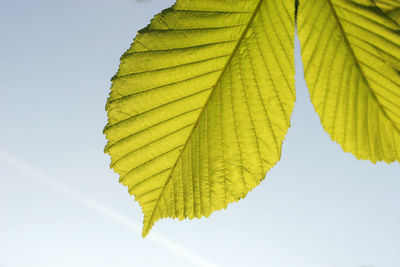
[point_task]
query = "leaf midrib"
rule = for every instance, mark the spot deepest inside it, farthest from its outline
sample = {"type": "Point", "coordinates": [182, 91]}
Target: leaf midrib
{"type": "Point", "coordinates": [242, 36]}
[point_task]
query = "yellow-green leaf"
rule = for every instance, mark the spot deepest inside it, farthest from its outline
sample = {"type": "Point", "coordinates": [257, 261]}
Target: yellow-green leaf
{"type": "Point", "coordinates": [201, 103]}
{"type": "Point", "coordinates": [387, 5]}
{"type": "Point", "coordinates": [395, 15]}
{"type": "Point", "coordinates": [391, 8]}
{"type": "Point", "coordinates": [351, 56]}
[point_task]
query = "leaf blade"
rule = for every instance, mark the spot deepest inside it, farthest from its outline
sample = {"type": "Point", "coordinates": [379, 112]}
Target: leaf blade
{"type": "Point", "coordinates": [352, 70]}
{"type": "Point", "coordinates": [186, 130]}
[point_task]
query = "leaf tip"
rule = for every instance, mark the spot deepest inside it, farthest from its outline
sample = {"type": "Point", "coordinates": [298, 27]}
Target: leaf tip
{"type": "Point", "coordinates": [147, 225]}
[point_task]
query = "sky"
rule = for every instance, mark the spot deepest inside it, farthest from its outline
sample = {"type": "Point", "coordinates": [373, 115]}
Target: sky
{"type": "Point", "coordinates": [61, 205]}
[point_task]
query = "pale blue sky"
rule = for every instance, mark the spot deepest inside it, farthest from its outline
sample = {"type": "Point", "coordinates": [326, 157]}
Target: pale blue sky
{"type": "Point", "coordinates": [61, 205]}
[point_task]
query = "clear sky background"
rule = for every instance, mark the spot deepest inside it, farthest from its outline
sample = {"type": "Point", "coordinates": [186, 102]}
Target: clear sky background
{"type": "Point", "coordinates": [61, 205]}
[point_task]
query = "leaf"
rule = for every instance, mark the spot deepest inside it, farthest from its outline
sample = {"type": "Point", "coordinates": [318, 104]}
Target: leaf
{"type": "Point", "coordinates": [351, 56]}
{"type": "Point", "coordinates": [391, 8]}
{"type": "Point", "coordinates": [200, 105]}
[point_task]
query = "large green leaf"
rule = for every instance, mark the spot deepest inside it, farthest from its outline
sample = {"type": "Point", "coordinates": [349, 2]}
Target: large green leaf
{"type": "Point", "coordinates": [201, 103]}
{"type": "Point", "coordinates": [351, 56]}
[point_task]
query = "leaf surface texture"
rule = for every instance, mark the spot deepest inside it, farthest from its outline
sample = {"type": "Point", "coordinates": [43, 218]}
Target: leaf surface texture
{"type": "Point", "coordinates": [351, 56]}
{"type": "Point", "coordinates": [200, 105]}
{"type": "Point", "coordinates": [391, 8]}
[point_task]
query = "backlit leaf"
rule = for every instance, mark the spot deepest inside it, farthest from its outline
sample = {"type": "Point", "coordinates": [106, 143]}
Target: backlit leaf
{"type": "Point", "coordinates": [201, 103]}
{"type": "Point", "coordinates": [351, 56]}
{"type": "Point", "coordinates": [391, 8]}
